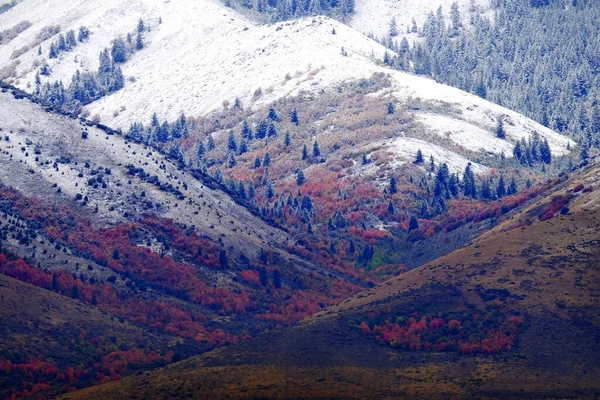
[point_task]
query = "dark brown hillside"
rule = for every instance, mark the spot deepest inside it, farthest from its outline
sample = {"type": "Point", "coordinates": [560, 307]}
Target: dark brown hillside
{"type": "Point", "coordinates": [540, 268]}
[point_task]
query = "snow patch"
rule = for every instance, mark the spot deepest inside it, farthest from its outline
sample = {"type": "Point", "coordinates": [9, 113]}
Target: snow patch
{"type": "Point", "coordinates": [405, 149]}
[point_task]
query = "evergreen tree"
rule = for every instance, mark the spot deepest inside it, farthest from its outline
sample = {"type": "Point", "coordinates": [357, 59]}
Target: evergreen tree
{"type": "Point", "coordinates": [390, 207]}
{"type": "Point", "coordinates": [501, 188]}
{"type": "Point", "coordinates": [231, 162]}
{"type": "Point", "coordinates": [393, 29]}
{"type": "Point", "coordinates": [469, 186]}
{"type": "Point", "coordinates": [512, 188]}
{"type": "Point", "coordinates": [273, 114]}
{"type": "Point", "coordinates": [413, 223]}
{"type": "Point", "coordinates": [246, 131]}
{"type": "Point", "coordinates": [231, 143]}
{"type": "Point", "coordinates": [119, 51]}
{"type": "Point", "coordinates": [393, 186]}
{"type": "Point", "coordinates": [294, 117]}
{"type": "Point", "coordinates": [419, 157]}
{"type": "Point", "coordinates": [277, 279]}
{"type": "Point", "coordinates": [243, 146]}
{"type": "Point", "coordinates": [139, 42]}
{"type": "Point", "coordinates": [431, 164]}
{"type": "Point", "coordinates": [267, 159]}
{"type": "Point", "coordinates": [545, 153]}
{"type": "Point", "coordinates": [140, 26]}
{"type": "Point", "coordinates": [300, 178]}
{"type": "Point", "coordinates": [271, 130]}
{"type": "Point", "coordinates": [75, 292]}
{"type": "Point", "coordinates": [262, 129]}
{"type": "Point", "coordinates": [223, 259]}
{"type": "Point", "coordinates": [391, 109]}
{"type": "Point", "coordinates": [269, 190]}
{"type": "Point", "coordinates": [304, 153]}
{"type": "Point", "coordinates": [500, 133]}
{"type": "Point", "coordinates": [287, 140]}
{"type": "Point", "coordinates": [264, 278]}
{"type": "Point", "coordinates": [257, 162]}
{"type": "Point", "coordinates": [316, 150]}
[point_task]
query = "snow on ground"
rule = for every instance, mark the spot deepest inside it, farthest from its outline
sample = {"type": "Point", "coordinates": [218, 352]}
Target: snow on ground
{"type": "Point", "coordinates": [480, 113]}
{"type": "Point", "coordinates": [465, 134]}
{"type": "Point", "coordinates": [374, 16]}
{"type": "Point", "coordinates": [404, 150]}
{"type": "Point", "coordinates": [204, 53]}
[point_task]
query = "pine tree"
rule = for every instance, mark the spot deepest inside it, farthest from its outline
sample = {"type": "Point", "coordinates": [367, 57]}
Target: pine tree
{"type": "Point", "coordinates": [223, 259]}
{"type": "Point", "coordinates": [257, 162]}
{"type": "Point", "coordinates": [231, 162]}
{"type": "Point", "coordinates": [393, 186]}
{"type": "Point", "coordinates": [83, 33]}
{"type": "Point", "coordinates": [431, 164]}
{"type": "Point", "coordinates": [390, 207]}
{"type": "Point", "coordinates": [246, 131]}
{"type": "Point", "coordinates": [119, 51]}
{"type": "Point", "coordinates": [287, 140]}
{"type": "Point", "coordinates": [139, 42]}
{"type": "Point", "coordinates": [316, 150]}
{"type": "Point", "coordinates": [512, 188]}
{"type": "Point", "coordinates": [267, 159]}
{"type": "Point", "coordinates": [304, 153]}
{"type": "Point", "coordinates": [75, 292]}
{"type": "Point", "coordinates": [419, 158]}
{"type": "Point", "coordinates": [501, 188]}
{"type": "Point", "coordinates": [273, 114]}
{"type": "Point", "coordinates": [277, 279]}
{"type": "Point", "coordinates": [52, 53]}
{"type": "Point", "coordinates": [271, 130]}
{"type": "Point", "coordinates": [264, 278]}
{"type": "Point", "coordinates": [469, 186]}
{"type": "Point", "coordinates": [269, 190]}
{"type": "Point", "coordinates": [300, 178]}
{"type": "Point", "coordinates": [243, 146]}
{"type": "Point", "coordinates": [262, 129]}
{"type": "Point", "coordinates": [140, 26]}
{"type": "Point", "coordinates": [413, 223]}
{"type": "Point", "coordinates": [231, 143]}
{"type": "Point", "coordinates": [500, 133]}
{"type": "Point", "coordinates": [391, 109]}
{"type": "Point", "coordinates": [393, 29]}
{"type": "Point", "coordinates": [294, 117]}
{"type": "Point", "coordinates": [545, 152]}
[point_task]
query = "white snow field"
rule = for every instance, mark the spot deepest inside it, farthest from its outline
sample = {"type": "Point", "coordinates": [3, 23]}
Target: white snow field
{"type": "Point", "coordinates": [202, 54]}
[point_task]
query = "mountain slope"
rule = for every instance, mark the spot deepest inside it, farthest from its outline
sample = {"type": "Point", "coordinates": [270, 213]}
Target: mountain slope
{"type": "Point", "coordinates": [231, 58]}
{"type": "Point", "coordinates": [526, 292]}
{"type": "Point", "coordinates": [374, 16]}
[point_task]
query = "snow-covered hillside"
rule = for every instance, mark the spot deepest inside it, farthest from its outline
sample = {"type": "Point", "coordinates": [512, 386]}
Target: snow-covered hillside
{"type": "Point", "coordinates": [199, 54]}
{"type": "Point", "coordinates": [374, 16]}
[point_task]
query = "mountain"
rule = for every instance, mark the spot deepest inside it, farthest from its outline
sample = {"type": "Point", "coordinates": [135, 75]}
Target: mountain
{"type": "Point", "coordinates": [514, 315]}
{"type": "Point", "coordinates": [233, 58]}
{"type": "Point", "coordinates": [375, 17]}
{"type": "Point", "coordinates": [225, 179]}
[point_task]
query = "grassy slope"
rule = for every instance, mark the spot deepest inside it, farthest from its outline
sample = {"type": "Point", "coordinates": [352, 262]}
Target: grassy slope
{"type": "Point", "coordinates": [549, 270]}
{"type": "Point", "coordinates": [39, 324]}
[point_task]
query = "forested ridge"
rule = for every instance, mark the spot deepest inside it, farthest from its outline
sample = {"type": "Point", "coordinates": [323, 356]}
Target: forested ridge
{"type": "Point", "coordinates": [540, 58]}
